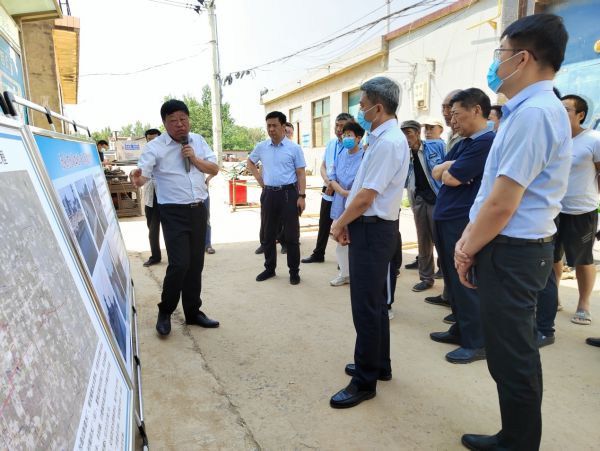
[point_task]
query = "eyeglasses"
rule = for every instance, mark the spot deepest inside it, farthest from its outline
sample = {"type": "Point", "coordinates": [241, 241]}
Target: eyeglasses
{"type": "Point", "coordinates": [498, 52]}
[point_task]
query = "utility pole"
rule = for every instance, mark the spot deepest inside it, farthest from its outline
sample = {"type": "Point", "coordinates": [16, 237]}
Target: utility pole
{"type": "Point", "coordinates": [388, 19]}
{"type": "Point", "coordinates": [217, 125]}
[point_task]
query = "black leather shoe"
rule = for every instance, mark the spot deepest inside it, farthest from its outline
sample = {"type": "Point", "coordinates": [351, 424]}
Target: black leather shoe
{"type": "Point", "coordinates": [313, 259]}
{"type": "Point", "coordinates": [465, 355]}
{"type": "Point", "coordinates": [294, 279]}
{"type": "Point", "coordinates": [445, 337]}
{"type": "Point", "coordinates": [479, 442]}
{"type": "Point", "coordinates": [449, 319]}
{"type": "Point", "coordinates": [260, 250]}
{"type": "Point", "coordinates": [151, 262]}
{"type": "Point", "coordinates": [413, 265]}
{"type": "Point", "coordinates": [350, 370]}
{"type": "Point", "coordinates": [202, 320]}
{"type": "Point", "coordinates": [350, 396]}
{"type": "Point", "coordinates": [163, 324]}
{"type": "Point", "coordinates": [438, 300]}
{"type": "Point", "coordinates": [593, 341]}
{"type": "Point", "coordinates": [543, 340]}
{"type": "Point", "coordinates": [266, 274]}
{"type": "Point", "coordinates": [438, 274]}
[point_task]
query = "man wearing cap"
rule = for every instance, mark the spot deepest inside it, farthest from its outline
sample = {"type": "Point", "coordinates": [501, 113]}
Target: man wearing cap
{"type": "Point", "coordinates": [433, 128]}
{"type": "Point", "coordinates": [422, 194]}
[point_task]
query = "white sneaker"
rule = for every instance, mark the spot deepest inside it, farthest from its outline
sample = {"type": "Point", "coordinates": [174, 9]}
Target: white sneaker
{"type": "Point", "coordinates": [339, 281]}
{"type": "Point", "coordinates": [390, 314]}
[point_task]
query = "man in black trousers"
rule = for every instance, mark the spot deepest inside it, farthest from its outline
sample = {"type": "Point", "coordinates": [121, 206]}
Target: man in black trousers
{"type": "Point", "coordinates": [178, 161]}
{"type": "Point", "coordinates": [510, 233]}
{"type": "Point", "coordinates": [334, 147]}
{"type": "Point", "coordinates": [369, 225]}
{"type": "Point", "coordinates": [283, 180]}
{"type": "Point", "coordinates": [152, 212]}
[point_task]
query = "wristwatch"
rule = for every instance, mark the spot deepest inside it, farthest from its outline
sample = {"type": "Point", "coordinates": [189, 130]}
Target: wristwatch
{"type": "Point", "coordinates": [303, 196]}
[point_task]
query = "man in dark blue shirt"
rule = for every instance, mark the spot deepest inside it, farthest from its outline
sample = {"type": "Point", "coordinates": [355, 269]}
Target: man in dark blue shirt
{"type": "Point", "coordinates": [461, 174]}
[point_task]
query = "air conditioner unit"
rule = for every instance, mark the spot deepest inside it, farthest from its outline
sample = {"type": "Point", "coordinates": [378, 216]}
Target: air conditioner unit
{"type": "Point", "coordinates": [421, 95]}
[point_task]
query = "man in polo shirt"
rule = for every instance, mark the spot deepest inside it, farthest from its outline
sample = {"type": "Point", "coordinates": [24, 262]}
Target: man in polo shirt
{"type": "Point", "coordinates": [510, 233]}
{"type": "Point", "coordinates": [283, 180]}
{"type": "Point", "coordinates": [178, 161]}
{"type": "Point", "coordinates": [334, 147]}
{"type": "Point", "coordinates": [578, 219]}
{"type": "Point", "coordinates": [460, 174]}
{"type": "Point", "coordinates": [369, 226]}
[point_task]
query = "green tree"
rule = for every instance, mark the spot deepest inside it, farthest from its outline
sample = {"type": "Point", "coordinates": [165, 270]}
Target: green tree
{"type": "Point", "coordinates": [134, 130]}
{"type": "Point", "coordinates": [105, 134]}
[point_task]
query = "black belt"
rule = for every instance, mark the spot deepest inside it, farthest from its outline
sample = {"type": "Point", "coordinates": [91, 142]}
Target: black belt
{"type": "Point", "coordinates": [370, 219]}
{"type": "Point", "coordinates": [192, 205]}
{"type": "Point", "coordinates": [503, 239]}
{"type": "Point", "coordinates": [280, 187]}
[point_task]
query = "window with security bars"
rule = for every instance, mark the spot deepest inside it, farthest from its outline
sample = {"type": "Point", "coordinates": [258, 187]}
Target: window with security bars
{"type": "Point", "coordinates": [320, 122]}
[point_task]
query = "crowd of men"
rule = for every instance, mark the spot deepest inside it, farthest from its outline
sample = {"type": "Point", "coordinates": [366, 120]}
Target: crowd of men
{"type": "Point", "coordinates": [511, 192]}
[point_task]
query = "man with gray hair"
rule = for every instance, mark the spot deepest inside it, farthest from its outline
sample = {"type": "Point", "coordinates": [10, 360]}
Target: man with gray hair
{"type": "Point", "coordinates": [369, 227]}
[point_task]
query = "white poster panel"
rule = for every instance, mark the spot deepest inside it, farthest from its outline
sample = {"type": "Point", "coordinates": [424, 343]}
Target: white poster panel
{"type": "Point", "coordinates": [60, 377]}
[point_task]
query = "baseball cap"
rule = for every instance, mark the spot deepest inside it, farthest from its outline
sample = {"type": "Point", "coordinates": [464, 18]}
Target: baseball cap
{"type": "Point", "coordinates": [411, 124]}
{"type": "Point", "coordinates": [432, 121]}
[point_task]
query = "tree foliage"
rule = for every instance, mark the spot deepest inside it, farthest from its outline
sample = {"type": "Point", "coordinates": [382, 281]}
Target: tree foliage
{"type": "Point", "coordinates": [105, 134]}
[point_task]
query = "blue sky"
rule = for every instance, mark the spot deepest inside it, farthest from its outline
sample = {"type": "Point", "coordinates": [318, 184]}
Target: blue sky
{"type": "Point", "coordinates": [119, 36]}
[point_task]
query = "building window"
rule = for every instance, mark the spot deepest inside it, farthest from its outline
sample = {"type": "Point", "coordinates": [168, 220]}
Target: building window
{"type": "Point", "coordinates": [353, 102]}
{"type": "Point", "coordinates": [295, 119]}
{"type": "Point", "coordinates": [320, 119]}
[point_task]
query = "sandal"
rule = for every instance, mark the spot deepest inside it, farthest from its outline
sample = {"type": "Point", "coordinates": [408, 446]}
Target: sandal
{"type": "Point", "coordinates": [582, 317]}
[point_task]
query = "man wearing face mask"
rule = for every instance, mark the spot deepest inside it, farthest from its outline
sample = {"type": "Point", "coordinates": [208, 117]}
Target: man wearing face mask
{"type": "Point", "coordinates": [178, 162]}
{"type": "Point", "coordinates": [369, 226]}
{"type": "Point", "coordinates": [334, 147]}
{"type": "Point", "coordinates": [510, 233]}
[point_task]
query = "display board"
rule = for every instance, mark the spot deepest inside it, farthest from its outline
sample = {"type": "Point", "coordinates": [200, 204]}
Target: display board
{"type": "Point", "coordinates": [62, 385]}
{"type": "Point", "coordinates": [78, 178]}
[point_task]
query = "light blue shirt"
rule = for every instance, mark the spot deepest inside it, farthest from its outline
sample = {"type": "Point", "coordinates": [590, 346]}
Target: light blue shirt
{"type": "Point", "coordinates": [279, 163]}
{"type": "Point", "coordinates": [334, 147]}
{"type": "Point", "coordinates": [384, 169]}
{"type": "Point", "coordinates": [162, 160]}
{"type": "Point", "coordinates": [533, 148]}
{"type": "Point", "coordinates": [344, 171]}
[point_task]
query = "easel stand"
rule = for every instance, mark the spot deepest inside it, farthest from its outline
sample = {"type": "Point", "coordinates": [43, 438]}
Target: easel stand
{"type": "Point", "coordinates": [7, 103]}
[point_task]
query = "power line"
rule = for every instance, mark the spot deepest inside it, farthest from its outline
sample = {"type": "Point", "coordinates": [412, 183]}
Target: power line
{"type": "Point", "coordinates": [238, 74]}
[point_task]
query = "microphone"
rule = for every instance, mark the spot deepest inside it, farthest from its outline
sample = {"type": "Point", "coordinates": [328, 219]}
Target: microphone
{"type": "Point", "coordinates": [184, 141]}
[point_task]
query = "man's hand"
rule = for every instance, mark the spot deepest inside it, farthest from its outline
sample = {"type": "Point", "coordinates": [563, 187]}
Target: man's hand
{"type": "Point", "coordinates": [136, 177]}
{"type": "Point", "coordinates": [188, 152]}
{"type": "Point", "coordinates": [301, 203]}
{"type": "Point", "coordinates": [329, 190]}
{"type": "Point", "coordinates": [340, 234]}
{"type": "Point", "coordinates": [463, 263]}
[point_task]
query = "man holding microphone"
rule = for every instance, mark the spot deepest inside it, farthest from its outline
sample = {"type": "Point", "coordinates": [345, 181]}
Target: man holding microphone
{"type": "Point", "coordinates": [178, 161]}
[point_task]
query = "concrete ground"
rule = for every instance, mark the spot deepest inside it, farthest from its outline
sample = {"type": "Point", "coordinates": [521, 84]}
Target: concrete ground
{"type": "Point", "coordinates": [264, 378]}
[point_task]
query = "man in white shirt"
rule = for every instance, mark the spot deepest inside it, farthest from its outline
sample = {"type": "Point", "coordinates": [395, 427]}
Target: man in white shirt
{"type": "Point", "coordinates": [178, 161]}
{"type": "Point", "coordinates": [369, 225]}
{"type": "Point", "coordinates": [152, 212]}
{"type": "Point", "coordinates": [578, 218]}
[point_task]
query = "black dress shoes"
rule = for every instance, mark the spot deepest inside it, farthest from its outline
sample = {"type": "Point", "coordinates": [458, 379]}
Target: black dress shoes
{"type": "Point", "coordinates": [294, 279]}
{"type": "Point", "coordinates": [266, 274]}
{"type": "Point", "coordinates": [151, 261]}
{"type": "Point", "coordinates": [163, 324]}
{"type": "Point", "coordinates": [202, 320]}
{"type": "Point", "coordinates": [259, 250]}
{"type": "Point", "coordinates": [313, 259]}
{"type": "Point", "coordinates": [350, 370]}
{"type": "Point", "coordinates": [445, 337]}
{"type": "Point", "coordinates": [438, 300]}
{"type": "Point", "coordinates": [480, 442]}
{"type": "Point", "coordinates": [593, 341]}
{"type": "Point", "coordinates": [350, 396]}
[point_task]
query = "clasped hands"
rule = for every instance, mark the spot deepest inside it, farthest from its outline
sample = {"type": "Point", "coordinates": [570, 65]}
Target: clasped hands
{"type": "Point", "coordinates": [463, 264]}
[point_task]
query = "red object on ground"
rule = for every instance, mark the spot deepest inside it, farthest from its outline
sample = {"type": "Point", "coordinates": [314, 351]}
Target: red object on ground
{"type": "Point", "coordinates": [241, 192]}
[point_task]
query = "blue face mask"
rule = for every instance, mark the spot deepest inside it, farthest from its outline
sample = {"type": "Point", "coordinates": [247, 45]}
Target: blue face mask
{"type": "Point", "coordinates": [348, 143]}
{"type": "Point", "coordinates": [491, 124]}
{"type": "Point", "coordinates": [493, 80]}
{"type": "Point", "coordinates": [360, 118]}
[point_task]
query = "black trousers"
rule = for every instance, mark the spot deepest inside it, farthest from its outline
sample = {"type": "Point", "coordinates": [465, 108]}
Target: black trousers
{"type": "Point", "coordinates": [261, 233]}
{"type": "Point", "coordinates": [547, 306]}
{"type": "Point", "coordinates": [395, 265]}
{"type": "Point", "coordinates": [464, 301]}
{"type": "Point", "coordinates": [324, 229]}
{"type": "Point", "coordinates": [509, 278]}
{"type": "Point", "coordinates": [184, 230]}
{"type": "Point", "coordinates": [153, 221]}
{"type": "Point", "coordinates": [372, 247]}
{"type": "Point", "coordinates": [281, 210]}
